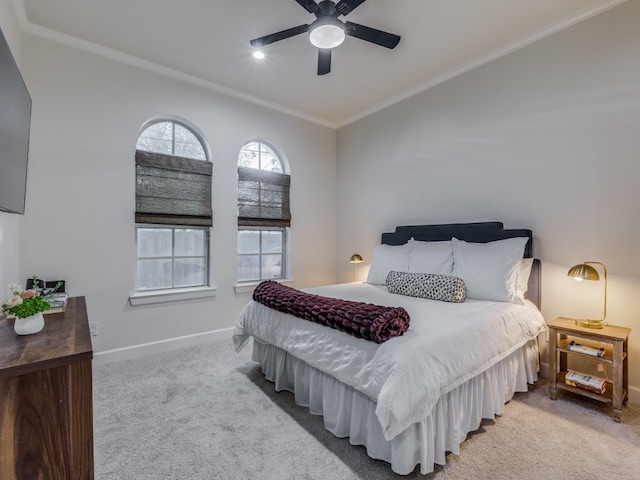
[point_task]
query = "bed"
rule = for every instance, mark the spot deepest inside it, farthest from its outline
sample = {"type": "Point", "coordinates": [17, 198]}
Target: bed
{"type": "Point", "coordinates": [413, 398]}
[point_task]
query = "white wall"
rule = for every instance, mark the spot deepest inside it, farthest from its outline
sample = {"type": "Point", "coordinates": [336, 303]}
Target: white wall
{"type": "Point", "coordinates": [547, 138]}
{"type": "Point", "coordinates": [10, 27]}
{"type": "Point", "coordinates": [9, 223]}
{"type": "Point", "coordinates": [87, 112]}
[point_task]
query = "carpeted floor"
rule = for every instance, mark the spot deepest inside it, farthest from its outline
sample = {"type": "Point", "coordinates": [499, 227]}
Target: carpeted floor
{"type": "Point", "coordinates": [207, 413]}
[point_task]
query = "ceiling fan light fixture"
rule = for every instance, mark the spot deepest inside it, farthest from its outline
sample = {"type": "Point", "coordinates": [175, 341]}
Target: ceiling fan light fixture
{"type": "Point", "coordinates": [326, 32]}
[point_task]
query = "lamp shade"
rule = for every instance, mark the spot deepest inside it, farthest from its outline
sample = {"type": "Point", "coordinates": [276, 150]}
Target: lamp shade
{"type": "Point", "coordinates": [326, 32]}
{"type": "Point", "coordinates": [355, 258]}
{"type": "Point", "coordinates": [583, 272]}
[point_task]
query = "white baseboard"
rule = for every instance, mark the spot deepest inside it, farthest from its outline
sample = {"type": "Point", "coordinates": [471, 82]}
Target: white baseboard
{"type": "Point", "coordinates": [634, 392]}
{"type": "Point", "coordinates": [137, 351]}
{"type": "Point", "coordinates": [634, 395]}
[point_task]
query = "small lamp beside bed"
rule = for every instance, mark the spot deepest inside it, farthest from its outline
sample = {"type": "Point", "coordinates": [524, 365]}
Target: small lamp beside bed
{"type": "Point", "coordinates": [585, 271]}
{"type": "Point", "coordinates": [355, 258]}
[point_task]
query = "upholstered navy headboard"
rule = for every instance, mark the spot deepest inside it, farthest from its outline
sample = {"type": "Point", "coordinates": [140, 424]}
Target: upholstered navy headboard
{"type": "Point", "coordinates": [478, 232]}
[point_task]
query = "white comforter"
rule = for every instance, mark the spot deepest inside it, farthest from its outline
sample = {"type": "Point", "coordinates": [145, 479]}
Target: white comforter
{"type": "Point", "coordinates": [446, 345]}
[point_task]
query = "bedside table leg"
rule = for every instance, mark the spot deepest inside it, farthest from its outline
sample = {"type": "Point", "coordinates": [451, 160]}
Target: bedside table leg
{"type": "Point", "coordinates": [618, 370]}
{"type": "Point", "coordinates": [625, 373]}
{"type": "Point", "coordinates": [553, 358]}
{"type": "Point", "coordinates": [616, 415]}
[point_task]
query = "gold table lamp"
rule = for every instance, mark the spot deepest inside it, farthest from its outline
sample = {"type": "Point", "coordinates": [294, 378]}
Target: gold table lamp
{"type": "Point", "coordinates": [355, 258]}
{"type": "Point", "coordinates": [585, 271]}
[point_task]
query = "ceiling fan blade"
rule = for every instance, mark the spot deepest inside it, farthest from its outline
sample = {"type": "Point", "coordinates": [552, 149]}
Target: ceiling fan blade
{"type": "Point", "coordinates": [345, 7]}
{"type": "Point", "coordinates": [324, 61]}
{"type": "Point", "coordinates": [309, 5]}
{"type": "Point", "coordinates": [275, 37]}
{"type": "Point", "coordinates": [384, 39]}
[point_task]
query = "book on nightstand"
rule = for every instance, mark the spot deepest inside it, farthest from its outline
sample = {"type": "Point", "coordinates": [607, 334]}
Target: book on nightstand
{"type": "Point", "coordinates": [586, 349]}
{"type": "Point", "coordinates": [586, 382]}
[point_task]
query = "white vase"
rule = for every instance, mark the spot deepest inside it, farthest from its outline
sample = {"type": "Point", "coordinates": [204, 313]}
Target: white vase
{"type": "Point", "coordinates": [29, 325]}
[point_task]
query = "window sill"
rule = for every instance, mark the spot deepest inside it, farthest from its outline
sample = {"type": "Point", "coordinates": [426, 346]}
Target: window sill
{"type": "Point", "coordinates": [164, 296]}
{"type": "Point", "coordinates": [248, 287]}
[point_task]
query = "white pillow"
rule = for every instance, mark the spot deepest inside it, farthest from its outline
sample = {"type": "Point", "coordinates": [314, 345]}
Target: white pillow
{"type": "Point", "coordinates": [489, 270]}
{"type": "Point", "coordinates": [523, 274]}
{"type": "Point", "coordinates": [431, 257]}
{"type": "Point", "coordinates": [386, 258]}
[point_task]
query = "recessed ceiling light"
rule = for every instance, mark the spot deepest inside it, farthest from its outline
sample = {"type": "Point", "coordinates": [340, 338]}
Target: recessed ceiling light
{"type": "Point", "coordinates": [258, 54]}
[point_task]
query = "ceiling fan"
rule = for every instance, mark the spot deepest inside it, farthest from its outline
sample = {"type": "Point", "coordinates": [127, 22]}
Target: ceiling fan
{"type": "Point", "coordinates": [327, 31]}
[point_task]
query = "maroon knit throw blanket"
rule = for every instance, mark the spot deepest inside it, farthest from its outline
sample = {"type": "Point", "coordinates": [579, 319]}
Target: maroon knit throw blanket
{"type": "Point", "coordinates": [364, 320]}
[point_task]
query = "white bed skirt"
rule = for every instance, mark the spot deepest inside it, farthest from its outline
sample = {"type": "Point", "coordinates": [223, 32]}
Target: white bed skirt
{"type": "Point", "coordinates": [349, 413]}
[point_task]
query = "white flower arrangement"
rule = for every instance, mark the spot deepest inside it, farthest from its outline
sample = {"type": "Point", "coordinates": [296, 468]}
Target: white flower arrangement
{"type": "Point", "coordinates": [24, 303]}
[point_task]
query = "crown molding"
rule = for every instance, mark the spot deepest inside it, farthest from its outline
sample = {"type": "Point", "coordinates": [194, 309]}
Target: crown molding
{"type": "Point", "coordinates": [131, 60]}
{"type": "Point", "coordinates": [77, 43]}
{"type": "Point", "coordinates": [494, 55]}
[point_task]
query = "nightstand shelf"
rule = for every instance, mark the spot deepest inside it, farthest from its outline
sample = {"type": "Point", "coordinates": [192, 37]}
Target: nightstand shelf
{"type": "Point", "coordinates": [563, 343]}
{"type": "Point", "coordinates": [606, 397]}
{"type": "Point", "coordinates": [562, 331]}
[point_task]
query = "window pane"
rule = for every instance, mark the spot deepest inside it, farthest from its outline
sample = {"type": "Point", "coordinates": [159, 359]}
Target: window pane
{"type": "Point", "coordinates": [271, 266]}
{"type": "Point", "coordinates": [154, 242]}
{"type": "Point", "coordinates": [190, 242]}
{"type": "Point", "coordinates": [250, 155]}
{"type": "Point", "coordinates": [187, 144]}
{"type": "Point", "coordinates": [271, 242]}
{"type": "Point", "coordinates": [261, 156]}
{"type": "Point", "coordinates": [153, 274]}
{"type": "Point", "coordinates": [261, 255]}
{"type": "Point", "coordinates": [172, 139]}
{"type": "Point", "coordinates": [269, 160]}
{"type": "Point", "coordinates": [190, 272]}
{"type": "Point", "coordinates": [157, 138]}
{"type": "Point", "coordinates": [248, 241]}
{"type": "Point", "coordinates": [248, 267]}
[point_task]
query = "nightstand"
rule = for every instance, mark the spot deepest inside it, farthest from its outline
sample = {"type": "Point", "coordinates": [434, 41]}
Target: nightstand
{"type": "Point", "coordinates": [562, 331]}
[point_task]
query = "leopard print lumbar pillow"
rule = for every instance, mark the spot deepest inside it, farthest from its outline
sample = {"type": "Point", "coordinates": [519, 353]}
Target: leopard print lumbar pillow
{"type": "Point", "coordinates": [427, 285]}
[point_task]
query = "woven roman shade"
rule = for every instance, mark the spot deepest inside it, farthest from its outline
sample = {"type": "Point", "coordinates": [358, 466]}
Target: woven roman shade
{"type": "Point", "coordinates": [173, 190]}
{"type": "Point", "coordinates": [263, 198]}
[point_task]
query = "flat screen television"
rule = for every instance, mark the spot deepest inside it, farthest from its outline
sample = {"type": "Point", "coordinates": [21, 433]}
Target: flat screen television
{"type": "Point", "coordinates": [15, 123]}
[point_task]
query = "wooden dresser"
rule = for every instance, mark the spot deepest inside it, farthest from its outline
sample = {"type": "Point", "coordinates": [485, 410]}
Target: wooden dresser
{"type": "Point", "coordinates": [46, 404]}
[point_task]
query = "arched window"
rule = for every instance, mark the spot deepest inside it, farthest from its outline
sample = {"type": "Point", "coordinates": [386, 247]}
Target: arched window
{"type": "Point", "coordinates": [263, 213]}
{"type": "Point", "coordinates": [171, 138]}
{"type": "Point", "coordinates": [260, 156]}
{"type": "Point", "coordinates": [173, 207]}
